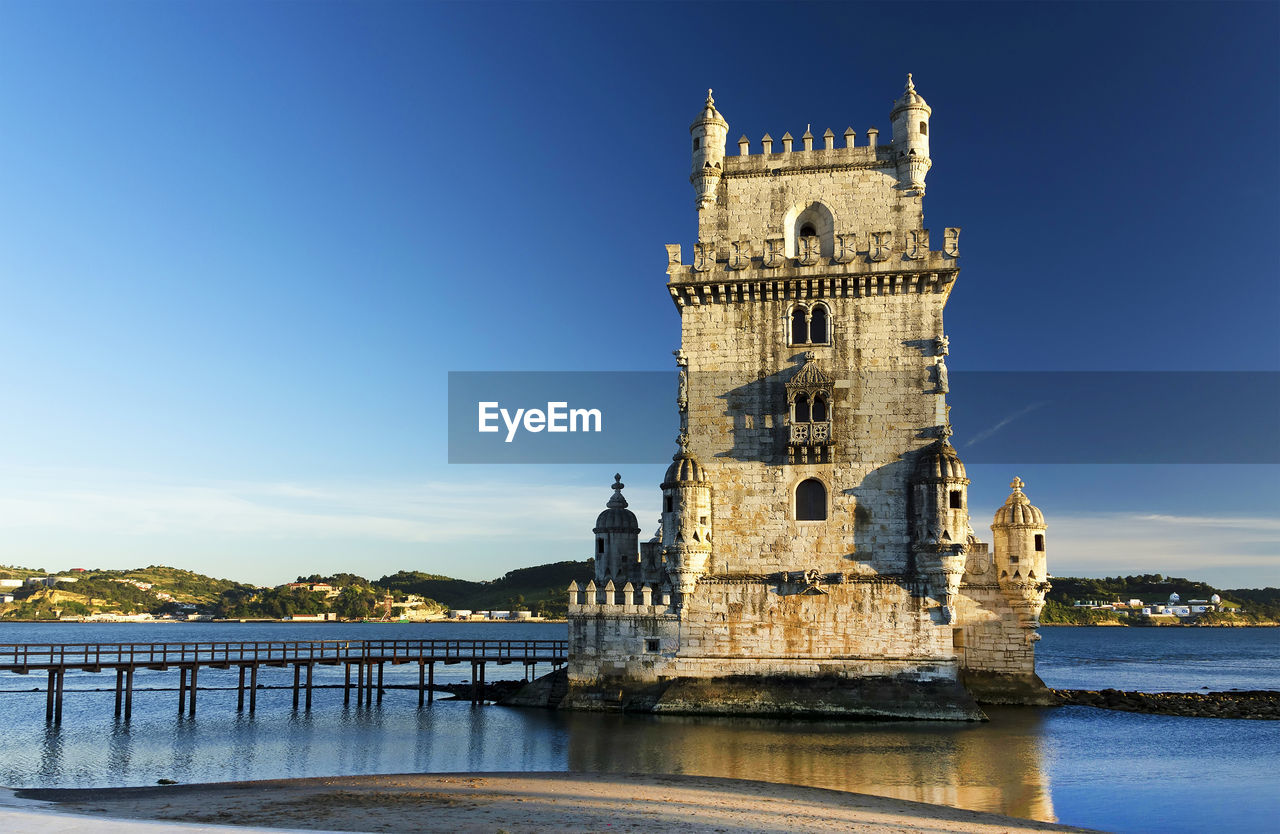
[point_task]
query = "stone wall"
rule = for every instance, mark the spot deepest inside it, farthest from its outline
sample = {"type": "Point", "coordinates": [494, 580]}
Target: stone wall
{"type": "Point", "coordinates": [884, 405]}
{"type": "Point", "coordinates": [738, 626]}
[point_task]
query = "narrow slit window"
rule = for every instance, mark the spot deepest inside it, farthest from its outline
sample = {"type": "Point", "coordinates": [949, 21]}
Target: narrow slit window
{"type": "Point", "coordinates": [924, 129]}
{"type": "Point", "coordinates": [697, 143]}
{"type": "Point", "coordinates": [599, 546]}
{"type": "Point", "coordinates": [1040, 542]}
{"type": "Point", "coordinates": [666, 504]}
{"type": "Point", "coordinates": [956, 501]}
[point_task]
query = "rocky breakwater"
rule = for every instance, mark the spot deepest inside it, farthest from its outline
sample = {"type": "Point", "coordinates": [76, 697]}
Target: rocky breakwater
{"type": "Point", "coordinates": [1259, 704]}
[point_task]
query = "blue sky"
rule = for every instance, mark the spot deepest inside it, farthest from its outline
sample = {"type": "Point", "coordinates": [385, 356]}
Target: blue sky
{"type": "Point", "coordinates": [242, 244]}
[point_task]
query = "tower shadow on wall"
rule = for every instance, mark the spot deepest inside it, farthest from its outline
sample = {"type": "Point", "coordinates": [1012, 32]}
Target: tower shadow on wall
{"type": "Point", "coordinates": [759, 413]}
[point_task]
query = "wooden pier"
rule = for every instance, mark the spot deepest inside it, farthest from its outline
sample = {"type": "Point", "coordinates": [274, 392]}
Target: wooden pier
{"type": "Point", "coordinates": [366, 657]}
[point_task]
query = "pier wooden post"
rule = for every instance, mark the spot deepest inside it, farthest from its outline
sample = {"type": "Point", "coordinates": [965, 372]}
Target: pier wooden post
{"type": "Point", "coordinates": [195, 669]}
{"type": "Point", "coordinates": [297, 683]}
{"type": "Point", "coordinates": [422, 682]}
{"type": "Point", "coordinates": [48, 701]}
{"type": "Point", "coordinates": [346, 687]}
{"type": "Point", "coordinates": [310, 668]}
{"type": "Point", "coordinates": [431, 682]}
{"type": "Point", "coordinates": [380, 665]}
{"type": "Point", "coordinates": [253, 688]}
{"type": "Point", "coordinates": [57, 707]}
{"type": "Point", "coordinates": [475, 681]}
{"type": "Point", "coordinates": [480, 700]}
{"type": "Point", "coordinates": [128, 694]}
{"type": "Point", "coordinates": [240, 691]}
{"type": "Point", "coordinates": [182, 689]}
{"type": "Point", "coordinates": [360, 684]}
{"type": "Point", "coordinates": [119, 689]}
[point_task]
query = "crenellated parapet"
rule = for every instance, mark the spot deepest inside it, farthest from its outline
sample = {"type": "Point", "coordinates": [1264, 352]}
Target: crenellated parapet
{"type": "Point", "coordinates": [787, 157]}
{"type": "Point", "coordinates": [862, 264]}
{"type": "Point", "coordinates": [852, 253]}
{"type": "Point", "coordinates": [628, 601]}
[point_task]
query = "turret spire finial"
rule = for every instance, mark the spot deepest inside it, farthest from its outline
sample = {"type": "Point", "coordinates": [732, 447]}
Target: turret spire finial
{"type": "Point", "coordinates": [710, 100]}
{"type": "Point", "coordinates": [910, 84]}
{"type": "Point", "coordinates": [1017, 484]}
{"type": "Point", "coordinates": [616, 500]}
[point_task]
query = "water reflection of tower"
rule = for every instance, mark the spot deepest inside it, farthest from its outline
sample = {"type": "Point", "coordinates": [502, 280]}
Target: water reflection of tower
{"type": "Point", "coordinates": [995, 766]}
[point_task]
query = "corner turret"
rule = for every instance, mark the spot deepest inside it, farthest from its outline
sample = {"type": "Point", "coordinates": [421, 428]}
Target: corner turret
{"type": "Point", "coordinates": [1018, 537]}
{"type": "Point", "coordinates": [710, 132]}
{"type": "Point", "coordinates": [686, 519]}
{"type": "Point", "coordinates": [940, 530]}
{"type": "Point", "coordinates": [910, 116]}
{"type": "Point", "coordinates": [617, 537]}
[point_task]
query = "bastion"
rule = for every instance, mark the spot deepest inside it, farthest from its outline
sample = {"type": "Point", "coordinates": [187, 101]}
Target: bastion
{"type": "Point", "coordinates": [815, 554]}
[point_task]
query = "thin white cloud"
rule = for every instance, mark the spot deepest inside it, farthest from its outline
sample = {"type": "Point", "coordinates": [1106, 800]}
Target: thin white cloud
{"type": "Point", "coordinates": [412, 512]}
{"type": "Point", "coordinates": [1237, 551]}
{"type": "Point", "coordinates": [987, 432]}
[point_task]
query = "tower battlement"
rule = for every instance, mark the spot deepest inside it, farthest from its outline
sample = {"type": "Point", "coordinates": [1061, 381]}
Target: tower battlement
{"type": "Point", "coordinates": [826, 156]}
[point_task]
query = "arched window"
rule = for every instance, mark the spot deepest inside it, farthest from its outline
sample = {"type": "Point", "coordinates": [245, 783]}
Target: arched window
{"type": "Point", "coordinates": [813, 220]}
{"type": "Point", "coordinates": [802, 409]}
{"type": "Point", "coordinates": [811, 501]}
{"type": "Point", "coordinates": [800, 326]}
{"type": "Point", "coordinates": [818, 325]}
{"type": "Point", "coordinates": [696, 143]}
{"type": "Point", "coordinates": [819, 408]}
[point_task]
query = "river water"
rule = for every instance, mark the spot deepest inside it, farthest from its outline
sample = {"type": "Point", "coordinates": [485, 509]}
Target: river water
{"type": "Point", "coordinates": [1094, 768]}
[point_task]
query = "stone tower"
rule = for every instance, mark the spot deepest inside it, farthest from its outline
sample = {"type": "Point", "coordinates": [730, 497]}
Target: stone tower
{"type": "Point", "coordinates": [816, 554]}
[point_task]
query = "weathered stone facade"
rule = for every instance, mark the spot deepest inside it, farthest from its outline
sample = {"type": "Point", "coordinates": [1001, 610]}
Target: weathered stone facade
{"type": "Point", "coordinates": [815, 520]}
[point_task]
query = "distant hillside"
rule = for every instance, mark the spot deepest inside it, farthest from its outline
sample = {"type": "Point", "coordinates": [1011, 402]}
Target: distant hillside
{"type": "Point", "coordinates": [541, 589]}
{"type": "Point", "coordinates": [152, 590]}
{"type": "Point", "coordinates": [1258, 604]}
{"type": "Point", "coordinates": [159, 590]}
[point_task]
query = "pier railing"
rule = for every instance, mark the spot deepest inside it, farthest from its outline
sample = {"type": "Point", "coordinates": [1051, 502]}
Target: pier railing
{"type": "Point", "coordinates": [25, 656]}
{"type": "Point", "coordinates": [365, 657]}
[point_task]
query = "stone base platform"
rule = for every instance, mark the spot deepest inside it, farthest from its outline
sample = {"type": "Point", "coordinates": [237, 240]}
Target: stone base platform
{"type": "Point", "coordinates": [871, 698]}
{"type": "Point", "coordinates": [1025, 690]}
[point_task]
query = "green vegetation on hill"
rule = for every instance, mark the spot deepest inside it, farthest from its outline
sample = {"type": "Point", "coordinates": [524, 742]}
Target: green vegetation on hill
{"type": "Point", "coordinates": [1258, 604]}
{"type": "Point", "coordinates": [540, 589]}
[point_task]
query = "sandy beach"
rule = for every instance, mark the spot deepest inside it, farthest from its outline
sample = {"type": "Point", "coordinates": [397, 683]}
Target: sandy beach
{"type": "Point", "coordinates": [515, 803]}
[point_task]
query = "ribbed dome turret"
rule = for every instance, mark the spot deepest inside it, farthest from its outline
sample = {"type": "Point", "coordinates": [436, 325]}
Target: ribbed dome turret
{"type": "Point", "coordinates": [685, 467]}
{"type": "Point", "coordinates": [617, 518]}
{"type": "Point", "coordinates": [909, 98]}
{"type": "Point", "coordinates": [1018, 510]}
{"type": "Point", "coordinates": [709, 113]}
{"type": "Point", "coordinates": [939, 461]}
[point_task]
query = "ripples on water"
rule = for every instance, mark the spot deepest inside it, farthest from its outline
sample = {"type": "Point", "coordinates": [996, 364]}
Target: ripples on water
{"type": "Point", "coordinates": [1109, 770]}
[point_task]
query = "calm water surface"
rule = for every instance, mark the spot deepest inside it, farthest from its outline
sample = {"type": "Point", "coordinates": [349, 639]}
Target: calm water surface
{"type": "Point", "coordinates": [1095, 768]}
